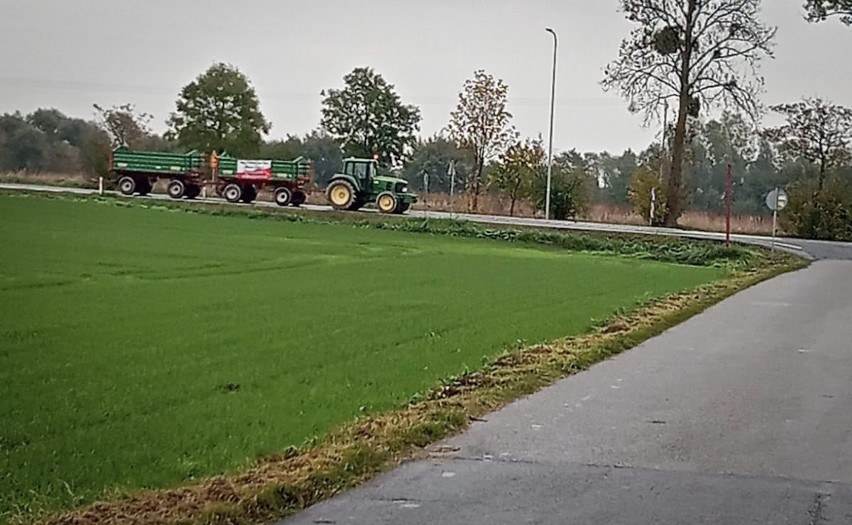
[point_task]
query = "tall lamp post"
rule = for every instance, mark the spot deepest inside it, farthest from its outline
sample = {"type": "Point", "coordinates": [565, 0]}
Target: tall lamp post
{"type": "Point", "coordinates": [550, 141]}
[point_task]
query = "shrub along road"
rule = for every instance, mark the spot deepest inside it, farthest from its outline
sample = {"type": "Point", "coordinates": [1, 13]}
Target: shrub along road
{"type": "Point", "coordinates": [739, 415]}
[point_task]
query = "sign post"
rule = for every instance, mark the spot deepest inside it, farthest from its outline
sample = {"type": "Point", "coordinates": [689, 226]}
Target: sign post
{"type": "Point", "coordinates": [776, 201]}
{"type": "Point", "coordinates": [451, 171]}
{"type": "Point", "coordinates": [653, 206]}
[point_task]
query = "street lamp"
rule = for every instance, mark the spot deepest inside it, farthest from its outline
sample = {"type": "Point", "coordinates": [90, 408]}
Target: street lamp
{"type": "Point", "coordinates": [550, 141]}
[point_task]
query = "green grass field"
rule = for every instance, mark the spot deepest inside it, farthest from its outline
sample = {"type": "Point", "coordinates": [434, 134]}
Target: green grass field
{"type": "Point", "coordinates": [147, 347]}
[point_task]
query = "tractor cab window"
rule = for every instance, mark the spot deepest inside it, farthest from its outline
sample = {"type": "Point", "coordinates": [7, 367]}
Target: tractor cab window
{"type": "Point", "coordinates": [361, 170]}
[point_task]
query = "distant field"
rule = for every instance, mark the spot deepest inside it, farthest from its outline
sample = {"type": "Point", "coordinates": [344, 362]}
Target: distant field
{"type": "Point", "coordinates": [147, 348]}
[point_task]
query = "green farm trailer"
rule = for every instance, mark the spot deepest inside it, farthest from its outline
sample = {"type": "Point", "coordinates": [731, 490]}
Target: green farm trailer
{"type": "Point", "coordinates": [234, 179]}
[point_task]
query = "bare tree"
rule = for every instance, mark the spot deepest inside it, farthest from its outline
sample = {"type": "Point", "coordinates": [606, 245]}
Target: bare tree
{"type": "Point", "coordinates": [817, 131]}
{"type": "Point", "coordinates": [480, 124]}
{"type": "Point", "coordinates": [124, 125]}
{"type": "Point", "coordinates": [820, 10]}
{"type": "Point", "coordinates": [699, 53]}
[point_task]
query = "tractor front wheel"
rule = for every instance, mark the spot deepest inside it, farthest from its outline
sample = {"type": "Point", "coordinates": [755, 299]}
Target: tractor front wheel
{"type": "Point", "coordinates": [232, 193]}
{"type": "Point", "coordinates": [126, 185]}
{"type": "Point", "coordinates": [403, 207]}
{"type": "Point", "coordinates": [341, 195]}
{"type": "Point", "coordinates": [387, 202]}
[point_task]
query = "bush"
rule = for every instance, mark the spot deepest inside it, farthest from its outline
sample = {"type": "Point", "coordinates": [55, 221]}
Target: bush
{"type": "Point", "coordinates": [824, 215]}
{"type": "Point", "coordinates": [569, 193]}
{"type": "Point", "coordinates": [639, 193]}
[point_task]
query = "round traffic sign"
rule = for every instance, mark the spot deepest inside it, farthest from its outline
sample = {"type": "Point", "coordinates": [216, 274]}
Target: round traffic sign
{"type": "Point", "coordinates": [777, 199]}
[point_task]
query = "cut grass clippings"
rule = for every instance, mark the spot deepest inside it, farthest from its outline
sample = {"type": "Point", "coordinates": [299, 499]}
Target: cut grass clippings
{"type": "Point", "coordinates": [278, 485]}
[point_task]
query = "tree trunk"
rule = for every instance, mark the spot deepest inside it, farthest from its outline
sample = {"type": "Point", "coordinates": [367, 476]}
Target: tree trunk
{"type": "Point", "coordinates": [474, 200]}
{"type": "Point", "coordinates": [674, 193]}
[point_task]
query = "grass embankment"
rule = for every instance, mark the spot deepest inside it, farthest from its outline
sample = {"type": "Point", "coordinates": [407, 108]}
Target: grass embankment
{"type": "Point", "coordinates": [154, 348]}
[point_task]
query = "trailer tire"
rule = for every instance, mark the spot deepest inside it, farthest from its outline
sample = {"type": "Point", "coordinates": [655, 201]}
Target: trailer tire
{"type": "Point", "coordinates": [126, 185]}
{"type": "Point", "coordinates": [144, 187]}
{"type": "Point", "coordinates": [232, 193]}
{"type": "Point", "coordinates": [249, 194]}
{"type": "Point", "coordinates": [341, 195]}
{"type": "Point", "coordinates": [192, 191]}
{"type": "Point", "coordinates": [387, 202]}
{"type": "Point", "coordinates": [283, 196]}
{"type": "Point", "coordinates": [176, 189]}
{"type": "Point", "coordinates": [299, 198]}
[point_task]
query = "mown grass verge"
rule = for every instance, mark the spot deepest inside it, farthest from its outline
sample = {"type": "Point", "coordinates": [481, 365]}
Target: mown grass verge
{"type": "Point", "coordinates": [277, 486]}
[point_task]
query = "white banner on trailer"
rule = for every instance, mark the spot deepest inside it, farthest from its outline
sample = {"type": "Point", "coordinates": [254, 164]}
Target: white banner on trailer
{"type": "Point", "coordinates": [254, 169]}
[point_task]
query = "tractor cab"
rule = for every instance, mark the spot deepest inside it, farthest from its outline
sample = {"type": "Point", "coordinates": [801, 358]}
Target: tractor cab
{"type": "Point", "coordinates": [361, 184]}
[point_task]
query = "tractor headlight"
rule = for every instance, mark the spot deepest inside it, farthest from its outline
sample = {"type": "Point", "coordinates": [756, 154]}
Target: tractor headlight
{"type": "Point", "coordinates": [404, 189]}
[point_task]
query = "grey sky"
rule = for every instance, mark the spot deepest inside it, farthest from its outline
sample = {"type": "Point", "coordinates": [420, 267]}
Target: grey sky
{"type": "Point", "coordinates": [71, 53]}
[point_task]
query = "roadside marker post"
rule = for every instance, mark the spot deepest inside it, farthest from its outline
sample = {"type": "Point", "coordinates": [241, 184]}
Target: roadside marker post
{"type": "Point", "coordinates": [776, 200]}
{"type": "Point", "coordinates": [100, 185]}
{"type": "Point", "coordinates": [728, 190]}
{"type": "Point", "coordinates": [653, 206]}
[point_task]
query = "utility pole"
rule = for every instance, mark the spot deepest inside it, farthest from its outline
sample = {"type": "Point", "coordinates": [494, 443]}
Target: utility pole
{"type": "Point", "coordinates": [550, 140]}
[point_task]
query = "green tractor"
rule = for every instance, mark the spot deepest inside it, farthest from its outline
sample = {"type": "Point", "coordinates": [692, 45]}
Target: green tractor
{"type": "Point", "coordinates": [361, 184]}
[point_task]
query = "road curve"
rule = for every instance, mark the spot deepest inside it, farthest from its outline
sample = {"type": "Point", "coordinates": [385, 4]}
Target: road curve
{"type": "Point", "coordinates": [804, 247]}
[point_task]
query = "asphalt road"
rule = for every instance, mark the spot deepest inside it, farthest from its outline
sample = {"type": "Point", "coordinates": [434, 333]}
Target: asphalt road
{"type": "Point", "coordinates": [807, 248]}
{"type": "Point", "coordinates": [740, 415]}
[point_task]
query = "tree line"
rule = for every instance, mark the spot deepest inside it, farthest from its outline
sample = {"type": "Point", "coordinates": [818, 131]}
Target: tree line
{"type": "Point", "coordinates": [694, 56]}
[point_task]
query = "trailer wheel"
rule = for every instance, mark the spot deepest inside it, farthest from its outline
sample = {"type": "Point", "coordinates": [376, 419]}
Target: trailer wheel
{"type": "Point", "coordinates": [192, 191]}
{"type": "Point", "coordinates": [249, 194]}
{"type": "Point", "coordinates": [299, 197]}
{"type": "Point", "coordinates": [387, 202]}
{"type": "Point", "coordinates": [232, 193]}
{"type": "Point", "coordinates": [341, 195]}
{"type": "Point", "coordinates": [126, 185]}
{"type": "Point", "coordinates": [176, 189]}
{"type": "Point", "coordinates": [283, 196]}
{"type": "Point", "coordinates": [145, 187]}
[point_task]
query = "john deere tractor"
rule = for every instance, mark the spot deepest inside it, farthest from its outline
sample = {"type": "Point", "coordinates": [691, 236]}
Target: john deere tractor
{"type": "Point", "coordinates": [360, 184]}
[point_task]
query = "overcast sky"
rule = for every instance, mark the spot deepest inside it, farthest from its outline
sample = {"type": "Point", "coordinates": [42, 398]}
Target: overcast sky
{"type": "Point", "coordinates": [69, 54]}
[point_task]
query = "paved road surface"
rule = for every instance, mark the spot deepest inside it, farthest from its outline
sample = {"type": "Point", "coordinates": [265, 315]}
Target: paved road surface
{"type": "Point", "coordinates": [741, 415]}
{"type": "Point", "coordinates": [815, 249]}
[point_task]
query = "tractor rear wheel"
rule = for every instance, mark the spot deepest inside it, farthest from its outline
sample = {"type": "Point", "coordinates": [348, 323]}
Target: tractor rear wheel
{"type": "Point", "coordinates": [232, 193]}
{"type": "Point", "coordinates": [387, 202]}
{"type": "Point", "coordinates": [176, 189]}
{"type": "Point", "coordinates": [283, 196]}
{"type": "Point", "coordinates": [126, 185]}
{"type": "Point", "coordinates": [341, 195]}
{"type": "Point", "coordinates": [299, 197]}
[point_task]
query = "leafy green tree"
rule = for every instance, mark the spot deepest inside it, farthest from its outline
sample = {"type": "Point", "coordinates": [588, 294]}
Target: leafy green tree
{"type": "Point", "coordinates": [614, 173]}
{"type": "Point", "coordinates": [325, 155]}
{"type": "Point", "coordinates": [572, 181]}
{"type": "Point", "coordinates": [642, 182]}
{"type": "Point", "coordinates": [519, 167]}
{"type": "Point", "coordinates": [816, 131]}
{"type": "Point", "coordinates": [699, 53]}
{"type": "Point", "coordinates": [820, 10]}
{"type": "Point", "coordinates": [368, 118]}
{"type": "Point", "coordinates": [431, 158]}
{"type": "Point", "coordinates": [287, 149]}
{"type": "Point", "coordinates": [480, 124]}
{"type": "Point", "coordinates": [219, 111]}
